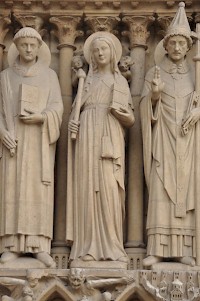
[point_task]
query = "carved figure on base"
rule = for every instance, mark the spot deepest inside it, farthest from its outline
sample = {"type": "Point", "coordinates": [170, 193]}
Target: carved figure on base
{"type": "Point", "coordinates": [124, 66]}
{"type": "Point", "coordinates": [84, 288]}
{"type": "Point", "coordinates": [96, 193]}
{"type": "Point", "coordinates": [169, 117]}
{"type": "Point", "coordinates": [30, 118]}
{"type": "Point", "coordinates": [18, 288]}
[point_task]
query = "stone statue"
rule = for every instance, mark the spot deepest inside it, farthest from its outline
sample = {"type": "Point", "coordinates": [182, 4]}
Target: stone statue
{"type": "Point", "coordinates": [30, 117]}
{"type": "Point", "coordinates": [78, 62]}
{"type": "Point", "coordinates": [19, 289]}
{"type": "Point", "coordinates": [83, 288]}
{"type": "Point", "coordinates": [96, 194]}
{"type": "Point", "coordinates": [169, 119]}
{"type": "Point", "coordinates": [124, 66]}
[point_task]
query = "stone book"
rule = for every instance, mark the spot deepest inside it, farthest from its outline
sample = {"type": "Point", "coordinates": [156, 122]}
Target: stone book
{"type": "Point", "coordinates": [28, 99]}
{"type": "Point", "coordinates": [120, 97]}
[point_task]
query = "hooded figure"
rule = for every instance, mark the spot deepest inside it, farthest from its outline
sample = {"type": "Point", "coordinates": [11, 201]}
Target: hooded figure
{"type": "Point", "coordinates": [168, 117]}
{"type": "Point", "coordinates": [30, 118]}
{"type": "Point", "coordinates": [95, 192]}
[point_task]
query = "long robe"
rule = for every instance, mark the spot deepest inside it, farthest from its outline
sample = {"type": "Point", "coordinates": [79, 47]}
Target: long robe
{"type": "Point", "coordinates": [169, 161]}
{"type": "Point", "coordinates": [95, 198]}
{"type": "Point", "coordinates": [27, 178]}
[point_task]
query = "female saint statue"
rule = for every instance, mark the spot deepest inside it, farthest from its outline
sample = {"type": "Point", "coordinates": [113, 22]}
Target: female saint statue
{"type": "Point", "coordinates": [96, 194]}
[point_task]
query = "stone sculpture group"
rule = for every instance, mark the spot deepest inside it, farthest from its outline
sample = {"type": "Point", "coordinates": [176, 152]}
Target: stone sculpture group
{"type": "Point", "coordinates": [30, 118]}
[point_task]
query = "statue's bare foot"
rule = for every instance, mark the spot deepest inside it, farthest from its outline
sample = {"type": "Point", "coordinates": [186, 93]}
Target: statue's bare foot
{"type": "Point", "coordinates": [188, 260]}
{"type": "Point", "coordinates": [8, 256]}
{"type": "Point", "coordinates": [88, 258]}
{"type": "Point", "coordinates": [147, 262]}
{"type": "Point", "coordinates": [46, 259]}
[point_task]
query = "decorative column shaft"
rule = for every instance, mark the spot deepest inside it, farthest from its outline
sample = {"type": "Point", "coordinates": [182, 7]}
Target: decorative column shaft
{"type": "Point", "coordinates": [138, 35]}
{"type": "Point", "coordinates": [4, 22]}
{"type": "Point", "coordinates": [66, 33]}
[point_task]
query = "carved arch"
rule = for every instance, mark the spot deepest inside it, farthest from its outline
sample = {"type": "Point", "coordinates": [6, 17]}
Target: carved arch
{"type": "Point", "coordinates": [134, 293]}
{"type": "Point", "coordinates": [55, 288]}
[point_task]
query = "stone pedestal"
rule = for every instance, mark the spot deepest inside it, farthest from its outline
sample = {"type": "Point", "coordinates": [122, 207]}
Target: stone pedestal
{"type": "Point", "coordinates": [98, 264]}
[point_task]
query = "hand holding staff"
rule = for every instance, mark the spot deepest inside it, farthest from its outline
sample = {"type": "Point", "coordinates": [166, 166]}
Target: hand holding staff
{"type": "Point", "coordinates": [81, 75]}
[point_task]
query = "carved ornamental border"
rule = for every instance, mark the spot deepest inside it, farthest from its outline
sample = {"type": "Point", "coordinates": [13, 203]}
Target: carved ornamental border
{"type": "Point", "coordinates": [45, 6]}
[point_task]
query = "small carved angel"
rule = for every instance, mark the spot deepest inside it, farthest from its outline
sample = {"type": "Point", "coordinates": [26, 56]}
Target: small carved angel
{"type": "Point", "coordinates": [124, 66]}
{"type": "Point", "coordinates": [78, 62]}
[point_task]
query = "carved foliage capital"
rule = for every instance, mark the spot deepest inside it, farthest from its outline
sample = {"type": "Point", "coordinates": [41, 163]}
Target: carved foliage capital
{"type": "Point", "coordinates": [35, 22]}
{"type": "Point", "coordinates": [197, 18]}
{"type": "Point", "coordinates": [4, 27]}
{"type": "Point", "coordinates": [138, 33]}
{"type": "Point", "coordinates": [164, 23]}
{"type": "Point", "coordinates": [66, 31]}
{"type": "Point", "coordinates": [107, 23]}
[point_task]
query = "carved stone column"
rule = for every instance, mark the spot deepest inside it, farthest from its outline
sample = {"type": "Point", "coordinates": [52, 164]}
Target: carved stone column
{"type": "Point", "coordinates": [4, 22]}
{"type": "Point", "coordinates": [66, 33]}
{"type": "Point", "coordinates": [137, 35]}
{"type": "Point", "coordinates": [101, 23]}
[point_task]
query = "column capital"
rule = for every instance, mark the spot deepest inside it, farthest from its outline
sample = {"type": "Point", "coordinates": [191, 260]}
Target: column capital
{"type": "Point", "coordinates": [4, 28]}
{"type": "Point", "coordinates": [35, 22]}
{"type": "Point", "coordinates": [197, 18]}
{"type": "Point", "coordinates": [66, 29]}
{"type": "Point", "coordinates": [102, 23]}
{"type": "Point", "coordinates": [137, 32]}
{"type": "Point", "coordinates": [164, 22]}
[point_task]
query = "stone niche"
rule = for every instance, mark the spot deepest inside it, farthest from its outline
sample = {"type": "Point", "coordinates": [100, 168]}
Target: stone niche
{"type": "Point", "coordinates": [64, 26]}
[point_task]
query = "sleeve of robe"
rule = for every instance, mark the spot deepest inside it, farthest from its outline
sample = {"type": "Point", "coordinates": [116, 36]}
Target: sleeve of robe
{"type": "Point", "coordinates": [54, 109]}
{"type": "Point", "coordinates": [6, 120]}
{"type": "Point", "coordinates": [2, 121]}
{"type": "Point", "coordinates": [148, 118]}
{"type": "Point", "coordinates": [51, 126]}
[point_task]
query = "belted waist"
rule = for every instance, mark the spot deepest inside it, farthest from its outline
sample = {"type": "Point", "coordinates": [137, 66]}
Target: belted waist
{"type": "Point", "coordinates": [93, 106]}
